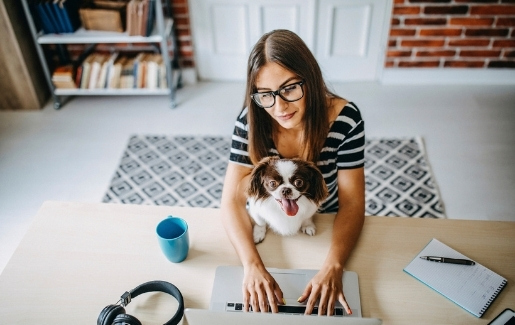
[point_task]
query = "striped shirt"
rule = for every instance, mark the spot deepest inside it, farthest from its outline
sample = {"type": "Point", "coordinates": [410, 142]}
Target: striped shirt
{"type": "Point", "coordinates": [344, 148]}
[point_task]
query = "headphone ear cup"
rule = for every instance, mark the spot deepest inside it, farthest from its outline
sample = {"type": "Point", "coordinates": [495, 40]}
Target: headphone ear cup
{"type": "Point", "coordinates": [109, 313]}
{"type": "Point", "coordinates": [123, 319]}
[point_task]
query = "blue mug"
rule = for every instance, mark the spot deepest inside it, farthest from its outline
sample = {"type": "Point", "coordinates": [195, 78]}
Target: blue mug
{"type": "Point", "coordinates": [172, 234]}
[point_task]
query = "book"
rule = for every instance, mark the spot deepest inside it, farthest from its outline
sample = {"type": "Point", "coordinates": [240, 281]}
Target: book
{"type": "Point", "coordinates": [472, 287]}
{"type": "Point", "coordinates": [127, 74]}
{"type": "Point", "coordinates": [78, 76]}
{"type": "Point", "coordinates": [61, 27]}
{"type": "Point", "coordinates": [49, 9]}
{"type": "Point", "coordinates": [104, 72]}
{"type": "Point", "coordinates": [139, 67]}
{"type": "Point", "coordinates": [63, 77]}
{"type": "Point", "coordinates": [70, 12]}
{"type": "Point", "coordinates": [151, 16]}
{"type": "Point", "coordinates": [142, 18]}
{"type": "Point", "coordinates": [86, 70]}
{"type": "Point", "coordinates": [102, 76]}
{"type": "Point", "coordinates": [96, 67]}
{"type": "Point", "coordinates": [65, 19]}
{"type": "Point", "coordinates": [132, 17]}
{"type": "Point", "coordinates": [153, 63]}
{"type": "Point", "coordinates": [115, 74]}
{"type": "Point", "coordinates": [46, 22]}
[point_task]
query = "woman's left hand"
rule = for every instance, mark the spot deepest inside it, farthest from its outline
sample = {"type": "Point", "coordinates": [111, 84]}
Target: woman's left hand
{"type": "Point", "coordinates": [327, 286]}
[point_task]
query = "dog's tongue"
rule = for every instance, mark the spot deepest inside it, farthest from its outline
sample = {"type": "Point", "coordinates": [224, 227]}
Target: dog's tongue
{"type": "Point", "coordinates": [290, 207]}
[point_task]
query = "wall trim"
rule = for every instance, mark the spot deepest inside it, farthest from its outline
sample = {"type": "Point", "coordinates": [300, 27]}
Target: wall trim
{"type": "Point", "coordinates": [448, 76]}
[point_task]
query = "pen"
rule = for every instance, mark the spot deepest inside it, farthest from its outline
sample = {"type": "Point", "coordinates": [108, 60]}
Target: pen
{"type": "Point", "coordinates": [447, 260]}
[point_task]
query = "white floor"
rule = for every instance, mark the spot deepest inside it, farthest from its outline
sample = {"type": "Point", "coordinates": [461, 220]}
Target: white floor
{"type": "Point", "coordinates": [71, 154]}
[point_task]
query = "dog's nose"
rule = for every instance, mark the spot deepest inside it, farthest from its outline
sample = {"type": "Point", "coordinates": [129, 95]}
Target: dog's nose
{"type": "Point", "coordinates": [286, 191]}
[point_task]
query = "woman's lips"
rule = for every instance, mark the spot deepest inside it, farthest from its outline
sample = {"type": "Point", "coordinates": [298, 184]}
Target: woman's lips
{"type": "Point", "coordinates": [286, 117]}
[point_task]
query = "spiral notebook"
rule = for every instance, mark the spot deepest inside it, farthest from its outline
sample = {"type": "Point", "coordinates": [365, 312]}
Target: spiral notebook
{"type": "Point", "coordinates": [472, 287]}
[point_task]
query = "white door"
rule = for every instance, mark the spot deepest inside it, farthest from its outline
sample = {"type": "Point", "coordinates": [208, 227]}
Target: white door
{"type": "Point", "coordinates": [224, 32]}
{"type": "Point", "coordinates": [351, 38]}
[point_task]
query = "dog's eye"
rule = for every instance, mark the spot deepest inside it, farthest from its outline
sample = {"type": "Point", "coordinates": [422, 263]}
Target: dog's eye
{"type": "Point", "coordinates": [298, 182]}
{"type": "Point", "coordinates": [272, 184]}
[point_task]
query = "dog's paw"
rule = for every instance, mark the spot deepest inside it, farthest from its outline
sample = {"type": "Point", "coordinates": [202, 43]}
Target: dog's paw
{"type": "Point", "coordinates": [259, 233]}
{"type": "Point", "coordinates": [309, 230]}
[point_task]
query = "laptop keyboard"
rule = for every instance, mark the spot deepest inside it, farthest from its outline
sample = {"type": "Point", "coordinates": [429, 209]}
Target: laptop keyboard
{"type": "Point", "coordinates": [293, 310]}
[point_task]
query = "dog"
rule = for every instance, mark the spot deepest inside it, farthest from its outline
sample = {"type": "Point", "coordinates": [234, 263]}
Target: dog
{"type": "Point", "coordinates": [284, 194]}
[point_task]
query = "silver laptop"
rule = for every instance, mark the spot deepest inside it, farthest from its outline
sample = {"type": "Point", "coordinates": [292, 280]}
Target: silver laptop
{"type": "Point", "coordinates": [227, 296]}
{"type": "Point", "coordinates": [202, 317]}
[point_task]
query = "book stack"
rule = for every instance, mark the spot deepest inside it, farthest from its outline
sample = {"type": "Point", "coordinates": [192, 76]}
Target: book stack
{"type": "Point", "coordinates": [57, 16]}
{"type": "Point", "coordinates": [140, 17]}
{"type": "Point", "coordinates": [113, 71]}
{"type": "Point", "coordinates": [63, 77]}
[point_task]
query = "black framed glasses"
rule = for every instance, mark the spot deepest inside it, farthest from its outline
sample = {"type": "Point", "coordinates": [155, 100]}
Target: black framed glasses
{"type": "Point", "coordinates": [290, 93]}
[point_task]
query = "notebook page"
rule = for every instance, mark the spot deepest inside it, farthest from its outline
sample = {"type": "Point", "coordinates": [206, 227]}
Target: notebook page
{"type": "Point", "coordinates": [471, 287]}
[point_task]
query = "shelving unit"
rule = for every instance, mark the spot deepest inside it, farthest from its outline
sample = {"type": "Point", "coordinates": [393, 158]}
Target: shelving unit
{"type": "Point", "coordinates": [161, 34]}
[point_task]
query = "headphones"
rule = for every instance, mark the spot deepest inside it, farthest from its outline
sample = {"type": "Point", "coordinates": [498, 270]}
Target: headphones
{"type": "Point", "coordinates": [115, 314]}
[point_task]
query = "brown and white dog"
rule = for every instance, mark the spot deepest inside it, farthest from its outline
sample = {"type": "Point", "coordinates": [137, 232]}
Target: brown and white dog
{"type": "Point", "coordinates": [285, 194]}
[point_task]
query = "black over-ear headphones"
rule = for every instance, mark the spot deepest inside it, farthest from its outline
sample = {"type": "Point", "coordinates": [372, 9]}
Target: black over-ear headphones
{"type": "Point", "coordinates": [115, 314]}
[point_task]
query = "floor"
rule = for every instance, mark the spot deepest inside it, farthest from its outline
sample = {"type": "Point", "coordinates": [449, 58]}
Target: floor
{"type": "Point", "coordinates": [71, 154]}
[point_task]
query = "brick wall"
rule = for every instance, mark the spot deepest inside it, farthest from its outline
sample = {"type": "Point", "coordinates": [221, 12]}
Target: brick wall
{"type": "Point", "coordinates": [180, 14]}
{"type": "Point", "coordinates": [452, 34]}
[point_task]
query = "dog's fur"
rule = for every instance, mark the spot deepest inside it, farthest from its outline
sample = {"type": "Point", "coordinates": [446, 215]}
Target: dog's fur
{"type": "Point", "coordinates": [285, 194]}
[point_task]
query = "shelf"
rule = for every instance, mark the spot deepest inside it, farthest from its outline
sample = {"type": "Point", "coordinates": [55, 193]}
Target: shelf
{"type": "Point", "coordinates": [162, 34]}
{"type": "Point", "coordinates": [111, 92]}
{"type": "Point", "coordinates": [83, 36]}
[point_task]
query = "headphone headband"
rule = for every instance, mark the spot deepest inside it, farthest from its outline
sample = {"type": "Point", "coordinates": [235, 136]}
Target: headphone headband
{"type": "Point", "coordinates": [107, 316]}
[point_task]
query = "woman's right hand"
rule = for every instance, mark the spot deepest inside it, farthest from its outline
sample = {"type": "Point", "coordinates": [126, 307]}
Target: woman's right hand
{"type": "Point", "coordinates": [260, 290]}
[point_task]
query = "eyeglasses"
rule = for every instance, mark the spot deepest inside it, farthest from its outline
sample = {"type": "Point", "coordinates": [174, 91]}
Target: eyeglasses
{"type": "Point", "coordinates": [290, 93]}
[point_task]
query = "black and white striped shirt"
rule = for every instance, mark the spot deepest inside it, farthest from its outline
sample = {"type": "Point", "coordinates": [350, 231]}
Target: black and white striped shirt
{"type": "Point", "coordinates": [344, 148]}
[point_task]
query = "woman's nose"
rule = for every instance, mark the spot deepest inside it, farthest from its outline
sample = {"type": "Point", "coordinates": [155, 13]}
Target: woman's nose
{"type": "Point", "coordinates": [280, 103]}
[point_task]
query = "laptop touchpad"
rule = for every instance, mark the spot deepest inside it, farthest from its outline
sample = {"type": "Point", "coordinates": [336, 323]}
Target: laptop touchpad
{"type": "Point", "coordinates": [292, 284]}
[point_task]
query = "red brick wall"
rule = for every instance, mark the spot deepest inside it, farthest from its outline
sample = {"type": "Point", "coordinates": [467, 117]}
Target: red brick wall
{"type": "Point", "coordinates": [452, 34]}
{"type": "Point", "coordinates": [180, 14]}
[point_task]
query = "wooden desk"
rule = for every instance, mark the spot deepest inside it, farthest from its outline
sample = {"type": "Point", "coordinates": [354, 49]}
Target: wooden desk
{"type": "Point", "coordinates": [77, 258]}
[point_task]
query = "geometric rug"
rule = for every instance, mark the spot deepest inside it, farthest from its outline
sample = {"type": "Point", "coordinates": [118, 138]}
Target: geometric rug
{"type": "Point", "coordinates": [189, 171]}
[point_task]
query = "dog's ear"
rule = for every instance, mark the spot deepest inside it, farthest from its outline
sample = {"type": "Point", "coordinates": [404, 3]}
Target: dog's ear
{"type": "Point", "coordinates": [317, 186]}
{"type": "Point", "coordinates": [256, 188]}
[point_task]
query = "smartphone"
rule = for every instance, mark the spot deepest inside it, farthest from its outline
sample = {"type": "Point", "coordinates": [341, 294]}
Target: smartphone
{"type": "Point", "coordinates": [506, 317]}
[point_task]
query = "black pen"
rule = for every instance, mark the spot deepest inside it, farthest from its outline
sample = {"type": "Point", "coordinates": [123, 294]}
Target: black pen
{"type": "Point", "coordinates": [448, 260]}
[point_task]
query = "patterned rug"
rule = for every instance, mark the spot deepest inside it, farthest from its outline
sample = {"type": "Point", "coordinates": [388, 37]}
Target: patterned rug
{"type": "Point", "coordinates": [189, 171]}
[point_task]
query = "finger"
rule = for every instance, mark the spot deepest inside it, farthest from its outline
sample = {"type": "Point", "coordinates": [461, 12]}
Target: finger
{"type": "Point", "coordinates": [272, 302]}
{"type": "Point", "coordinates": [262, 300]}
{"type": "Point", "coordinates": [322, 304]}
{"type": "Point", "coordinates": [279, 295]}
{"type": "Point", "coordinates": [343, 301]}
{"type": "Point", "coordinates": [306, 293]}
{"type": "Point", "coordinates": [313, 297]}
{"type": "Point", "coordinates": [254, 301]}
{"type": "Point", "coordinates": [330, 305]}
{"type": "Point", "coordinates": [246, 298]}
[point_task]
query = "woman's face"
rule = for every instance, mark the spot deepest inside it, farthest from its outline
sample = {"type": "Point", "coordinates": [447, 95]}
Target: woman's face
{"type": "Point", "coordinates": [271, 77]}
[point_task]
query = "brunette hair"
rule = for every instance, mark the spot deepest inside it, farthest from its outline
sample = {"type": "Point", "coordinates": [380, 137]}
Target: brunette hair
{"type": "Point", "coordinates": [289, 51]}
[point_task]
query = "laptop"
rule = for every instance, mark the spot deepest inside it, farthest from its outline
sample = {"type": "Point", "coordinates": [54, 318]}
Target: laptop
{"type": "Point", "coordinates": [203, 316]}
{"type": "Point", "coordinates": [227, 294]}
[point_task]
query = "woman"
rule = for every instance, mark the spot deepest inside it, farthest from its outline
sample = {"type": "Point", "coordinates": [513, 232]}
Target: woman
{"type": "Point", "coordinates": [290, 112]}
